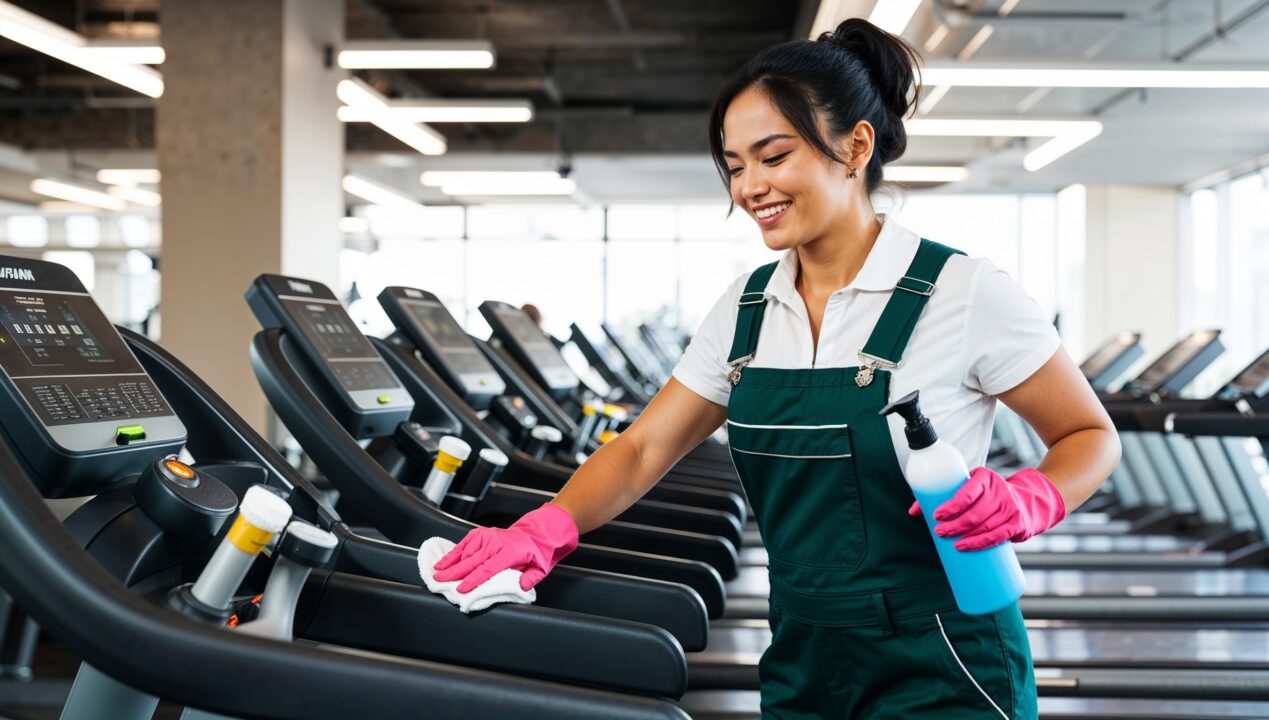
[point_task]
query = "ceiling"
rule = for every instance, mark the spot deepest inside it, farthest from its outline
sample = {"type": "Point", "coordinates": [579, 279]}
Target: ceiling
{"type": "Point", "coordinates": [621, 87]}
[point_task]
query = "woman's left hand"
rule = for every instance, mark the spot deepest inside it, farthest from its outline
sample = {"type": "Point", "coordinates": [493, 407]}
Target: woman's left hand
{"type": "Point", "coordinates": [989, 509]}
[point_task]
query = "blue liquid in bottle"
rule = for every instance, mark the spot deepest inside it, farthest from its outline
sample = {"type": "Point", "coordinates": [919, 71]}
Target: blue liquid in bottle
{"type": "Point", "coordinates": [982, 581]}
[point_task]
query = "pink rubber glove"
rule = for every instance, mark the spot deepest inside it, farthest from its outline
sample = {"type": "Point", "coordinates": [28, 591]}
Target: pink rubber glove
{"type": "Point", "coordinates": [989, 509]}
{"type": "Point", "coordinates": [533, 545]}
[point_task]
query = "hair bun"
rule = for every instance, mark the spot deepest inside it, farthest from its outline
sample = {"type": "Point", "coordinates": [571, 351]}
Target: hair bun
{"type": "Point", "coordinates": [890, 60]}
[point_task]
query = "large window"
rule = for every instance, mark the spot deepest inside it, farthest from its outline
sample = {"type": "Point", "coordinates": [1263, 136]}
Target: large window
{"type": "Point", "coordinates": [631, 263]}
{"type": "Point", "coordinates": [1225, 270]}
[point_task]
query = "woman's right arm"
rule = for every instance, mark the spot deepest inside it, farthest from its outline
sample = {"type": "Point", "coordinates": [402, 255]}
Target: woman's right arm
{"type": "Point", "coordinates": [623, 470]}
{"type": "Point", "coordinates": [617, 475]}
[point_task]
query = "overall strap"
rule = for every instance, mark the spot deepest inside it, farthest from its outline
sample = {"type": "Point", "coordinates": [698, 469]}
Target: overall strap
{"type": "Point", "coordinates": [753, 304]}
{"type": "Point", "coordinates": [899, 318]}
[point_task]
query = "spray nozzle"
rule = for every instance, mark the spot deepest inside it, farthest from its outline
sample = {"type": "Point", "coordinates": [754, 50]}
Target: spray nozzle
{"type": "Point", "coordinates": [918, 430]}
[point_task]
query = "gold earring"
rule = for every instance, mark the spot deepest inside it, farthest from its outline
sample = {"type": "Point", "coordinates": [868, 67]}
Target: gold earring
{"type": "Point", "coordinates": [853, 172]}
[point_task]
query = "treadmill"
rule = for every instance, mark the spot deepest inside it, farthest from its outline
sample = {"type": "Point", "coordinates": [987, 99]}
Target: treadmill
{"type": "Point", "coordinates": [660, 345]}
{"type": "Point", "coordinates": [1154, 495]}
{"type": "Point", "coordinates": [519, 350]}
{"type": "Point", "coordinates": [455, 370]}
{"type": "Point", "coordinates": [1110, 362]}
{"type": "Point", "coordinates": [306, 380]}
{"type": "Point", "coordinates": [611, 366]}
{"type": "Point", "coordinates": [636, 358]}
{"type": "Point", "coordinates": [90, 410]}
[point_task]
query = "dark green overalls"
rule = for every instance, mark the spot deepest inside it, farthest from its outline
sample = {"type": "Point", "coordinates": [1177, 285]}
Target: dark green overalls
{"type": "Point", "coordinates": [863, 622]}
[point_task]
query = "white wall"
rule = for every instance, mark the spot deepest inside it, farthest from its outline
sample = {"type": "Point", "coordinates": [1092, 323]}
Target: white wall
{"type": "Point", "coordinates": [1131, 270]}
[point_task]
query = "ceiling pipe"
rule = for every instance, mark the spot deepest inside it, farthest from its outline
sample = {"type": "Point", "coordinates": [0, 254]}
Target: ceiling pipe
{"type": "Point", "coordinates": [957, 17]}
{"type": "Point", "coordinates": [1222, 31]}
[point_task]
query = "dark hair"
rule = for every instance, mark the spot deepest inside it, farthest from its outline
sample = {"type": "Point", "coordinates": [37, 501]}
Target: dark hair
{"type": "Point", "coordinates": [857, 72]}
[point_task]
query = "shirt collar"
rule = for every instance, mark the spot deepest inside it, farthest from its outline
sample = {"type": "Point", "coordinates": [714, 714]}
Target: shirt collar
{"type": "Point", "coordinates": [890, 258]}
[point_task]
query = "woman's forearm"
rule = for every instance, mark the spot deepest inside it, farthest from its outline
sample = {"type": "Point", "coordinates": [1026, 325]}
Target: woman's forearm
{"type": "Point", "coordinates": [606, 484]}
{"type": "Point", "coordinates": [1079, 463]}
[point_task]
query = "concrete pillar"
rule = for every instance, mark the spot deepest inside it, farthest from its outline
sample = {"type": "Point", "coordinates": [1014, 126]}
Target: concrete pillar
{"type": "Point", "coordinates": [1131, 275]}
{"type": "Point", "coordinates": [251, 154]}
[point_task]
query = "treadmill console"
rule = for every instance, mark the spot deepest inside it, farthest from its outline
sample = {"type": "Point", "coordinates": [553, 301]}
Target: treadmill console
{"type": "Point", "coordinates": [1112, 360]}
{"type": "Point", "coordinates": [422, 318]}
{"type": "Point", "coordinates": [531, 348]}
{"type": "Point", "coordinates": [78, 406]}
{"type": "Point", "coordinates": [1250, 384]}
{"type": "Point", "coordinates": [370, 401]}
{"type": "Point", "coordinates": [1169, 374]}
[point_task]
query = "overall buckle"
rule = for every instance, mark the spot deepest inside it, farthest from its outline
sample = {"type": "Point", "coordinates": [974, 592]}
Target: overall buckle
{"type": "Point", "coordinates": [870, 364]}
{"type": "Point", "coordinates": [925, 288]}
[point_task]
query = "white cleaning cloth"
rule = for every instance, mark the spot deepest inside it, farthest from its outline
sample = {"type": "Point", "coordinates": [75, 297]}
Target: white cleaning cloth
{"type": "Point", "coordinates": [501, 588]}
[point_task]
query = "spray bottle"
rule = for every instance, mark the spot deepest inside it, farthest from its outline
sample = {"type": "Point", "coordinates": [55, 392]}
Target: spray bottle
{"type": "Point", "coordinates": [452, 454]}
{"type": "Point", "coordinates": [982, 581]}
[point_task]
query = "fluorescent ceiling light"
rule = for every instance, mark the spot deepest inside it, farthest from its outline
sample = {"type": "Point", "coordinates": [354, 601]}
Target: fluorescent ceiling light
{"type": "Point", "coordinates": [56, 41]}
{"type": "Point", "coordinates": [366, 99]}
{"type": "Point", "coordinates": [893, 16]}
{"type": "Point", "coordinates": [1067, 134]}
{"type": "Point", "coordinates": [65, 207]}
{"type": "Point", "coordinates": [354, 225]}
{"type": "Point", "coordinates": [128, 176]}
{"type": "Point", "coordinates": [132, 52]}
{"type": "Point", "coordinates": [918, 173]}
{"type": "Point", "coordinates": [499, 183]}
{"type": "Point", "coordinates": [78, 194]}
{"type": "Point", "coordinates": [448, 111]}
{"type": "Point", "coordinates": [437, 178]}
{"type": "Point", "coordinates": [1103, 76]}
{"type": "Point", "coordinates": [378, 194]}
{"type": "Point", "coordinates": [1059, 146]}
{"type": "Point", "coordinates": [559, 186]}
{"type": "Point", "coordinates": [417, 55]}
{"type": "Point", "coordinates": [136, 195]}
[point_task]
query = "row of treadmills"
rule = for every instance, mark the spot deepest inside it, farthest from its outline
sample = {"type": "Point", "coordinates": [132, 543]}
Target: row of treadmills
{"type": "Point", "coordinates": [1151, 601]}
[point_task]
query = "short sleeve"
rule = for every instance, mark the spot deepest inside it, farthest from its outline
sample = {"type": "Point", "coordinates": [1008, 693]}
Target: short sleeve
{"type": "Point", "coordinates": [703, 368]}
{"type": "Point", "coordinates": [1008, 337]}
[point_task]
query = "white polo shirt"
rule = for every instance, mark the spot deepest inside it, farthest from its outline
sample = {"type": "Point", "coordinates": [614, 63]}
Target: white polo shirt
{"type": "Point", "coordinates": [979, 335]}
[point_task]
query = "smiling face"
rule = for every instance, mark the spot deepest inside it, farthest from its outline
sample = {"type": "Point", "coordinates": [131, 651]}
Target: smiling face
{"type": "Point", "coordinates": [794, 193]}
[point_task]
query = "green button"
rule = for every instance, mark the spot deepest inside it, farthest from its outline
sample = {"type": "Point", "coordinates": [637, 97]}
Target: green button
{"type": "Point", "coordinates": [129, 434]}
{"type": "Point", "coordinates": [384, 399]}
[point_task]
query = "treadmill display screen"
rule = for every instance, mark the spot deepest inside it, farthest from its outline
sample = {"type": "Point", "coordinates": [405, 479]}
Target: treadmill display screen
{"type": "Point", "coordinates": [49, 334]}
{"type": "Point", "coordinates": [614, 359]}
{"type": "Point", "coordinates": [1172, 361]}
{"type": "Point", "coordinates": [523, 329]}
{"type": "Point", "coordinates": [346, 351]}
{"type": "Point", "coordinates": [68, 362]}
{"type": "Point", "coordinates": [1253, 379]}
{"type": "Point", "coordinates": [439, 325]}
{"type": "Point", "coordinates": [539, 348]}
{"type": "Point", "coordinates": [1103, 358]}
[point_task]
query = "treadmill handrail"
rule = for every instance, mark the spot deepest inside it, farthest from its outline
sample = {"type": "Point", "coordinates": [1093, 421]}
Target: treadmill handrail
{"type": "Point", "coordinates": [1228, 424]}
